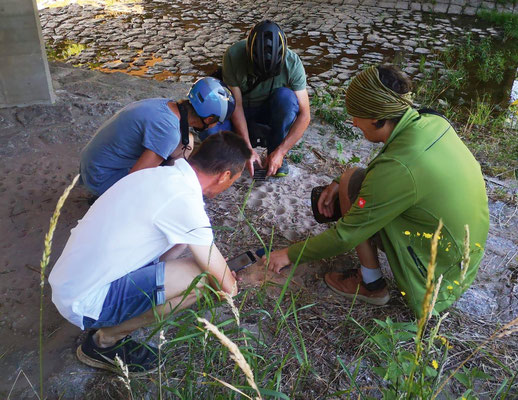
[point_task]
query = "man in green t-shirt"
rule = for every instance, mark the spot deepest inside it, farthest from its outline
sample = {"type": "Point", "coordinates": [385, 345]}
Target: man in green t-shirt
{"type": "Point", "coordinates": [422, 174]}
{"type": "Point", "coordinates": [269, 84]}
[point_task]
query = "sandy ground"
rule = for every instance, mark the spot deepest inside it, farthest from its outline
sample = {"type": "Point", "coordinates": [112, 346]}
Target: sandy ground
{"type": "Point", "coordinates": [39, 147]}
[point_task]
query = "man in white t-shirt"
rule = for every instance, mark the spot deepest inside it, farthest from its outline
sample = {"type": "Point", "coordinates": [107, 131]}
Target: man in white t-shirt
{"type": "Point", "coordinates": [120, 260]}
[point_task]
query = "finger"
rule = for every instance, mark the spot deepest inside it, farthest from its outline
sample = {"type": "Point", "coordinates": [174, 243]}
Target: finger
{"type": "Point", "coordinates": [321, 204]}
{"type": "Point", "coordinates": [272, 168]}
{"type": "Point", "coordinates": [327, 199]}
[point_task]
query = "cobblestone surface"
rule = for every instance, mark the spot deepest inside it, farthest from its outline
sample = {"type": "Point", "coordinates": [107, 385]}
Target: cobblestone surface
{"type": "Point", "coordinates": [179, 41]}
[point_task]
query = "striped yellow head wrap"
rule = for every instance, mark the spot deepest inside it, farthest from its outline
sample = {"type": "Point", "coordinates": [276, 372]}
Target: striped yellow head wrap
{"type": "Point", "coordinates": [367, 97]}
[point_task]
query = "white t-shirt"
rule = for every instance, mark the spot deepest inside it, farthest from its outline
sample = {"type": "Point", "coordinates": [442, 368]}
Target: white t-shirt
{"type": "Point", "coordinates": [135, 221]}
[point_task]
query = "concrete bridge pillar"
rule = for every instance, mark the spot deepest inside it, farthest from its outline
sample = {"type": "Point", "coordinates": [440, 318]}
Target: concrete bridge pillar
{"type": "Point", "coordinates": [24, 71]}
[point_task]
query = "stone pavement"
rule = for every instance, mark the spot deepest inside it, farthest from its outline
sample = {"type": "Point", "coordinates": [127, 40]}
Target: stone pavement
{"type": "Point", "coordinates": [180, 40]}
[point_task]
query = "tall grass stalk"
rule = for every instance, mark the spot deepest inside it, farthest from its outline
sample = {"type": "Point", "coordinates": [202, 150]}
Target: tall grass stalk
{"type": "Point", "coordinates": [427, 306]}
{"type": "Point", "coordinates": [465, 257]}
{"type": "Point", "coordinates": [124, 374]}
{"type": "Point", "coordinates": [43, 266]}
{"type": "Point", "coordinates": [236, 354]}
{"type": "Point", "coordinates": [161, 342]}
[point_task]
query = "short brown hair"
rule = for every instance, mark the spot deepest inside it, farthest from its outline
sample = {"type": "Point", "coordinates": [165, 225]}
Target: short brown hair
{"type": "Point", "coordinates": [223, 151]}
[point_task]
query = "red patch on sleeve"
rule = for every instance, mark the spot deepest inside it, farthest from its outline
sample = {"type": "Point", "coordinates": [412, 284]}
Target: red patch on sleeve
{"type": "Point", "coordinates": [361, 202]}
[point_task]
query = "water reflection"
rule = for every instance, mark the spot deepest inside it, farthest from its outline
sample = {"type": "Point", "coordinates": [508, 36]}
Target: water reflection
{"type": "Point", "coordinates": [332, 42]}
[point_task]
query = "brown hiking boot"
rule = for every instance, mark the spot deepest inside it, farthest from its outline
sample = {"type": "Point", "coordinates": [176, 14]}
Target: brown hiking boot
{"type": "Point", "coordinates": [350, 284]}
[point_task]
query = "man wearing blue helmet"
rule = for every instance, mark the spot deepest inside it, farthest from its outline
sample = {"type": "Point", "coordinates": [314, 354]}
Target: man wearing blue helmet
{"type": "Point", "coordinates": [146, 133]}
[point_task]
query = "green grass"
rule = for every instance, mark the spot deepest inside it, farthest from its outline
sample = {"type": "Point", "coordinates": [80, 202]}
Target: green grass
{"type": "Point", "coordinates": [508, 21]}
{"type": "Point", "coordinates": [64, 50]}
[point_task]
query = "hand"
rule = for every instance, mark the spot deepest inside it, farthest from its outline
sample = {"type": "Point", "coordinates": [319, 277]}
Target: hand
{"type": "Point", "coordinates": [278, 260]}
{"type": "Point", "coordinates": [326, 201]}
{"type": "Point", "coordinates": [250, 163]}
{"type": "Point", "coordinates": [274, 161]}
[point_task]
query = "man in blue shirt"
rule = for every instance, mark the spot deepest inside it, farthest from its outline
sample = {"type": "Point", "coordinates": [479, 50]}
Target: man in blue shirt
{"type": "Point", "coordinates": [146, 133]}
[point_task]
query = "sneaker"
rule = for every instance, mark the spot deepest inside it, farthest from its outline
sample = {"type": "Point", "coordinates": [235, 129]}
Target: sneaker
{"type": "Point", "coordinates": [350, 284]}
{"type": "Point", "coordinates": [283, 170]}
{"type": "Point", "coordinates": [140, 359]}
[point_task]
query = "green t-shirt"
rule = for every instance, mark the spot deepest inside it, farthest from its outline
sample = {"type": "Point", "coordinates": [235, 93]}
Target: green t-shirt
{"type": "Point", "coordinates": [237, 70]}
{"type": "Point", "coordinates": [422, 174]}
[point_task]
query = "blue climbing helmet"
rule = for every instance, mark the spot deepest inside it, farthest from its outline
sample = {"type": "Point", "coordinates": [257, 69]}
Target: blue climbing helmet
{"type": "Point", "coordinates": [211, 97]}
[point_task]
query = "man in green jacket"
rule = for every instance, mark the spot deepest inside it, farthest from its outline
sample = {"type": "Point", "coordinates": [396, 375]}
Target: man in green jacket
{"type": "Point", "coordinates": [423, 174]}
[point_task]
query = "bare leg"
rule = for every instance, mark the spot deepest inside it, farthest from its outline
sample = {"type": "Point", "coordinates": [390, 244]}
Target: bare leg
{"type": "Point", "coordinates": [366, 251]}
{"type": "Point", "coordinates": [178, 276]}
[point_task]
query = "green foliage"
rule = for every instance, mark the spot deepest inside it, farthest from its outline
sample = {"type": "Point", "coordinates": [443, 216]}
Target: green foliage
{"type": "Point", "coordinates": [64, 50]}
{"type": "Point", "coordinates": [422, 63]}
{"type": "Point", "coordinates": [296, 157]}
{"type": "Point", "coordinates": [354, 159]}
{"type": "Point", "coordinates": [508, 21]}
{"type": "Point", "coordinates": [296, 153]}
{"type": "Point", "coordinates": [481, 60]}
{"type": "Point", "coordinates": [390, 344]}
{"type": "Point", "coordinates": [480, 113]}
{"type": "Point", "coordinates": [330, 107]}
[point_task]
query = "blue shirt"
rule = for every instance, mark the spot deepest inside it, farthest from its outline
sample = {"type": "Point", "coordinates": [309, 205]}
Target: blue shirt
{"type": "Point", "coordinates": [120, 141]}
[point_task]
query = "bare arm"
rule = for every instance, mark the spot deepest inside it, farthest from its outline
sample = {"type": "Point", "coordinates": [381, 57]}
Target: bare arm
{"type": "Point", "coordinates": [241, 128]}
{"type": "Point", "coordinates": [148, 159]}
{"type": "Point", "coordinates": [296, 131]}
{"type": "Point", "coordinates": [209, 259]}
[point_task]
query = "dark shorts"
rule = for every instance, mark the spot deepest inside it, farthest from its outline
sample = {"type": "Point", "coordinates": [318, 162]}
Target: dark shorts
{"type": "Point", "coordinates": [355, 184]}
{"type": "Point", "coordinates": [131, 295]}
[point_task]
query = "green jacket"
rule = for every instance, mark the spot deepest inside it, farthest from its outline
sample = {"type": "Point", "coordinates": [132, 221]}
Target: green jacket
{"type": "Point", "coordinates": [422, 174]}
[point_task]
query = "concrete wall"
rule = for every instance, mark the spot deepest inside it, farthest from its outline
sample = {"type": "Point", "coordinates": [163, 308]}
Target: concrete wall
{"type": "Point", "coordinates": [464, 7]}
{"type": "Point", "coordinates": [24, 72]}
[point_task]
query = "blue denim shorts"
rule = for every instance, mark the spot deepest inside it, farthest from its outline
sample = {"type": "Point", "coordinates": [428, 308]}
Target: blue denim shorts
{"type": "Point", "coordinates": [131, 295]}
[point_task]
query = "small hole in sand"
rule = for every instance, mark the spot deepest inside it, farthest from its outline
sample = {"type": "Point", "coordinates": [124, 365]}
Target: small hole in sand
{"type": "Point", "coordinates": [280, 210]}
{"type": "Point", "coordinates": [258, 194]}
{"type": "Point", "coordinates": [254, 203]}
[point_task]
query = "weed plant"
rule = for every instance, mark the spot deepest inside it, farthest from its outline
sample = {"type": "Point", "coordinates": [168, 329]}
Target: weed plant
{"type": "Point", "coordinates": [64, 50]}
{"type": "Point", "coordinates": [482, 57]}
{"type": "Point", "coordinates": [329, 105]}
{"type": "Point", "coordinates": [508, 21]}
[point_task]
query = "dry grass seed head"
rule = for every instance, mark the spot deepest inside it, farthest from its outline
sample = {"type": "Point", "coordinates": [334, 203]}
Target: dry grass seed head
{"type": "Point", "coordinates": [236, 354]}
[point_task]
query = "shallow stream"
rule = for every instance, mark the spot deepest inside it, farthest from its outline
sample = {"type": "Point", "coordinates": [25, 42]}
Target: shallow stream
{"type": "Point", "coordinates": [181, 40]}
